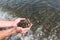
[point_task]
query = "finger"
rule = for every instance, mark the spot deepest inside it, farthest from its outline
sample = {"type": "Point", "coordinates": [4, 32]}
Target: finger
{"type": "Point", "coordinates": [30, 25]}
{"type": "Point", "coordinates": [28, 20]}
{"type": "Point", "coordinates": [22, 18]}
{"type": "Point", "coordinates": [19, 19]}
{"type": "Point", "coordinates": [24, 31]}
{"type": "Point", "coordinates": [19, 27]}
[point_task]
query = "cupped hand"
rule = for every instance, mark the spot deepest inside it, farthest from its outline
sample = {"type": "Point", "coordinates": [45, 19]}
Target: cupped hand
{"type": "Point", "coordinates": [24, 30]}
{"type": "Point", "coordinates": [20, 29]}
{"type": "Point", "coordinates": [17, 21]}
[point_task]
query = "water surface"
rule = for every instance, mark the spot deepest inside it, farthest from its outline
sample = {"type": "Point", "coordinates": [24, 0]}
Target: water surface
{"type": "Point", "coordinates": [44, 14]}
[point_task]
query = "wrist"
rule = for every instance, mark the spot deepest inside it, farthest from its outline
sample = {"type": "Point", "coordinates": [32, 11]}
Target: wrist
{"type": "Point", "coordinates": [14, 24]}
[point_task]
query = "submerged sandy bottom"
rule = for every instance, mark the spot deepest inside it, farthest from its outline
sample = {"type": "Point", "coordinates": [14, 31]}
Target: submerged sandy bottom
{"type": "Point", "coordinates": [44, 15]}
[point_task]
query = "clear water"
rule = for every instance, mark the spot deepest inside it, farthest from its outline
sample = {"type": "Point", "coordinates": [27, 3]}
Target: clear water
{"type": "Point", "coordinates": [44, 14]}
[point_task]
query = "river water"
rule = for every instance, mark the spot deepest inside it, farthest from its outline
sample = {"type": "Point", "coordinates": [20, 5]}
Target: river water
{"type": "Point", "coordinates": [44, 14]}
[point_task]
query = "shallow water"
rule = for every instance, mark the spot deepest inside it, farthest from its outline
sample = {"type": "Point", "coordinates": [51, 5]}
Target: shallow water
{"type": "Point", "coordinates": [44, 14]}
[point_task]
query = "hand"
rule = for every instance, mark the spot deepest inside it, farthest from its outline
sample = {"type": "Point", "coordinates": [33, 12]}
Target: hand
{"type": "Point", "coordinates": [17, 21]}
{"type": "Point", "coordinates": [23, 30]}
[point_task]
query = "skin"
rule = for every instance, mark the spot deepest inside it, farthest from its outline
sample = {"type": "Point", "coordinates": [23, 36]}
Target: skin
{"type": "Point", "coordinates": [14, 29]}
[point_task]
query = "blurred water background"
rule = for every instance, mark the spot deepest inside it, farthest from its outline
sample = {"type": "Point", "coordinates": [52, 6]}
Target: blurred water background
{"type": "Point", "coordinates": [44, 14]}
